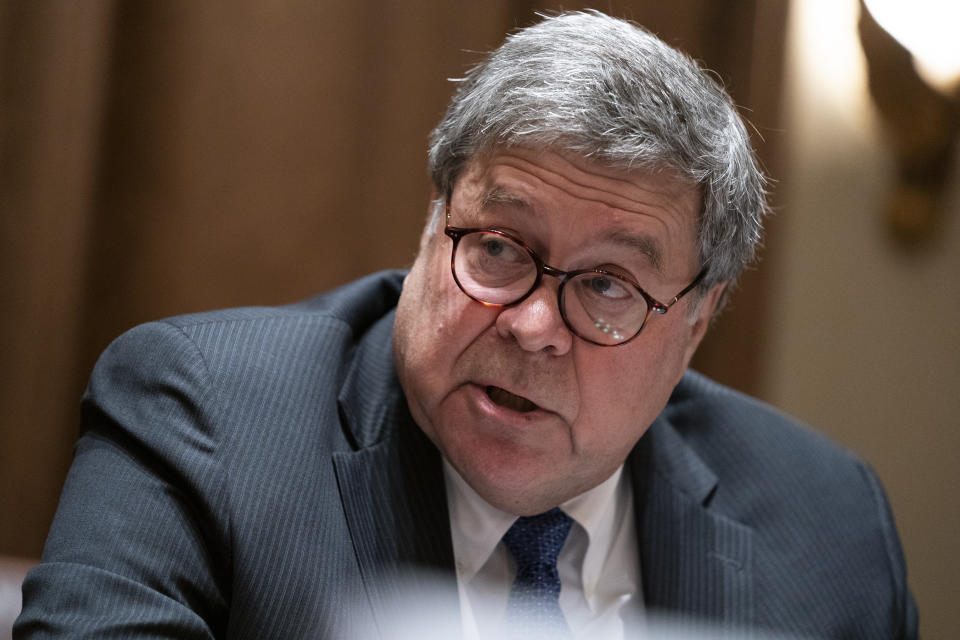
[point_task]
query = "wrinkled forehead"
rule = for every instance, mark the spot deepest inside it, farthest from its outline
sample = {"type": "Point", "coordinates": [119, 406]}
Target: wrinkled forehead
{"type": "Point", "coordinates": [583, 169]}
{"type": "Point", "coordinates": [515, 175]}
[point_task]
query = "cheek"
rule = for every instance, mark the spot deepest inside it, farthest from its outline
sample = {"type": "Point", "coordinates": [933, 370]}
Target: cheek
{"type": "Point", "coordinates": [620, 397]}
{"type": "Point", "coordinates": [447, 320]}
{"type": "Point", "coordinates": [435, 323]}
{"type": "Point", "coordinates": [427, 307]}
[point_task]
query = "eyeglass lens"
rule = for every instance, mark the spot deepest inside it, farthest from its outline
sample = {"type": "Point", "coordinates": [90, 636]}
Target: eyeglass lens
{"type": "Point", "coordinates": [602, 308]}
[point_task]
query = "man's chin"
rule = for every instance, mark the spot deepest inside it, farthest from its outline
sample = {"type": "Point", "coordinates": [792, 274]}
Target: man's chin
{"type": "Point", "coordinates": [520, 487]}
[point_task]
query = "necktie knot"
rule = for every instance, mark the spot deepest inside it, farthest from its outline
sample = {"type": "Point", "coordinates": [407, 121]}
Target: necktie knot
{"type": "Point", "coordinates": [535, 542]}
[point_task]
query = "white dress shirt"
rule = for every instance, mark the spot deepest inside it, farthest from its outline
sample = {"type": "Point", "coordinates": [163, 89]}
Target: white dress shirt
{"type": "Point", "coordinates": [599, 566]}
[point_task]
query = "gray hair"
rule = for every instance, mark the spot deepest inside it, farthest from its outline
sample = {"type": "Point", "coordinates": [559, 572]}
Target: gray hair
{"type": "Point", "coordinates": [607, 89]}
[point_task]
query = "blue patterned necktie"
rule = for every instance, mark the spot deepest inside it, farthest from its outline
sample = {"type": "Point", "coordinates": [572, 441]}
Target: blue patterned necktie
{"type": "Point", "coordinates": [533, 607]}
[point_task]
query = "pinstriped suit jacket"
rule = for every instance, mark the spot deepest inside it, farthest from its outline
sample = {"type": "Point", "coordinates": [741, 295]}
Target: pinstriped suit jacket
{"type": "Point", "coordinates": [255, 473]}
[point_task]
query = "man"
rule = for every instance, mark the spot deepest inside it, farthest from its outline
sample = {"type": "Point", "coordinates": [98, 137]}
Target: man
{"type": "Point", "coordinates": [512, 423]}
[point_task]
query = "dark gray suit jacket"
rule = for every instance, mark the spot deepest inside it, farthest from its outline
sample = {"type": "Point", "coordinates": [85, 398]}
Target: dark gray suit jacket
{"type": "Point", "coordinates": [255, 473]}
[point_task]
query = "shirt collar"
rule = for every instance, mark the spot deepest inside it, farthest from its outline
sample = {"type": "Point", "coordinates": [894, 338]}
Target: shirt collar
{"type": "Point", "coordinates": [477, 526]}
{"type": "Point", "coordinates": [599, 512]}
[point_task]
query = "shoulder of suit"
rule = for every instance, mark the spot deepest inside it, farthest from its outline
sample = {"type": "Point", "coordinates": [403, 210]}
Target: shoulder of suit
{"type": "Point", "coordinates": [357, 304]}
{"type": "Point", "coordinates": [727, 426]}
{"type": "Point", "coordinates": [274, 342]}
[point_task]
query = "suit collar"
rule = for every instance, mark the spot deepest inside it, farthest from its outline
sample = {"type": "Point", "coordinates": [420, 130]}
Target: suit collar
{"type": "Point", "coordinates": [671, 459]}
{"type": "Point", "coordinates": [370, 399]}
{"type": "Point", "coordinates": [391, 484]}
{"type": "Point", "coordinates": [693, 560]}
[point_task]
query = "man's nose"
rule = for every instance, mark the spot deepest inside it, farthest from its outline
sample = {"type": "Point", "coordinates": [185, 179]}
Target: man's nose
{"type": "Point", "coordinates": [536, 323]}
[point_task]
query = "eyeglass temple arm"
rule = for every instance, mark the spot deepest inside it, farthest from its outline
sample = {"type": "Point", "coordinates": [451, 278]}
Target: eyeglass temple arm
{"type": "Point", "coordinates": [662, 308]}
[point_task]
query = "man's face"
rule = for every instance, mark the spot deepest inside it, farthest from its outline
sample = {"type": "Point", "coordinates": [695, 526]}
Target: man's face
{"type": "Point", "coordinates": [459, 361]}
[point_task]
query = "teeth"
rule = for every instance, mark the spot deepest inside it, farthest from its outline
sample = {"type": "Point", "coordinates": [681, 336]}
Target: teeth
{"type": "Point", "coordinates": [506, 399]}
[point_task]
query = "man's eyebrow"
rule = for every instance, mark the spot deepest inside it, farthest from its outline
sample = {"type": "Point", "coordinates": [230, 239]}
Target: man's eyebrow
{"type": "Point", "coordinates": [642, 243]}
{"type": "Point", "coordinates": [499, 195]}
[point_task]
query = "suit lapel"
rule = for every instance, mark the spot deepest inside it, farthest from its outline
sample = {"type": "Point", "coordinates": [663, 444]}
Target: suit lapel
{"type": "Point", "coordinates": [391, 486]}
{"type": "Point", "coordinates": [693, 561]}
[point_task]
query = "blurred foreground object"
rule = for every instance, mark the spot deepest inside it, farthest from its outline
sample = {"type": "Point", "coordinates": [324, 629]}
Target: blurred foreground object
{"type": "Point", "coordinates": [12, 572]}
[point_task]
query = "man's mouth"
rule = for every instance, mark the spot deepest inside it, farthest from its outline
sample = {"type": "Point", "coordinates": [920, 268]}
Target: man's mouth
{"type": "Point", "coordinates": [509, 400]}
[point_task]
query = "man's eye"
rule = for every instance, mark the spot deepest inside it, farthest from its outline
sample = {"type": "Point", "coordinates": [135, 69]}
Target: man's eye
{"type": "Point", "coordinates": [607, 287]}
{"type": "Point", "coordinates": [600, 285]}
{"type": "Point", "coordinates": [501, 251]}
{"type": "Point", "coordinates": [494, 247]}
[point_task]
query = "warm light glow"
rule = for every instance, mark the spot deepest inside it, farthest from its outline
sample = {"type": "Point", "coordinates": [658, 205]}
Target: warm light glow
{"type": "Point", "coordinates": [930, 30]}
{"type": "Point", "coordinates": [830, 72]}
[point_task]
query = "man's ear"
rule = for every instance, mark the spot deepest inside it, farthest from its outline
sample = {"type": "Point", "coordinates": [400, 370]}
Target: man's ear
{"type": "Point", "coordinates": [708, 304]}
{"type": "Point", "coordinates": [433, 222]}
{"type": "Point", "coordinates": [436, 208]}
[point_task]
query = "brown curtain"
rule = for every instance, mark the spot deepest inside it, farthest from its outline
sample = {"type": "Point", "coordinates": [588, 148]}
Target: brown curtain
{"type": "Point", "coordinates": [159, 157]}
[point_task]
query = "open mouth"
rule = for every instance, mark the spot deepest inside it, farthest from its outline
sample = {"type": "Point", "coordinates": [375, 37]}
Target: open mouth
{"type": "Point", "coordinates": [509, 400]}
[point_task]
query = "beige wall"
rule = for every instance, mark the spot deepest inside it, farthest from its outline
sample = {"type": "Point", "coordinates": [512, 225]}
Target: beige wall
{"type": "Point", "coordinates": [865, 342]}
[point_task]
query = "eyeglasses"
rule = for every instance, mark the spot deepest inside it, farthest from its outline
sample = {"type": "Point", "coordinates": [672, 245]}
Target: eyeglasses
{"type": "Point", "coordinates": [602, 307]}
